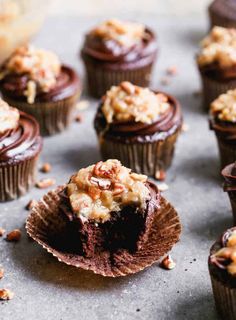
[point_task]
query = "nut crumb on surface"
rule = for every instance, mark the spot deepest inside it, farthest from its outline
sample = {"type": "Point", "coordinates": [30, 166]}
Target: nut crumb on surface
{"type": "Point", "coordinates": [185, 127]}
{"type": "Point", "coordinates": [14, 235]}
{"type": "Point", "coordinates": [45, 183]}
{"type": "Point", "coordinates": [168, 263]}
{"type": "Point", "coordinates": [172, 70]}
{"type": "Point", "coordinates": [2, 231]}
{"type": "Point", "coordinates": [46, 167]}
{"type": "Point", "coordinates": [160, 175]}
{"type": "Point", "coordinates": [1, 273]}
{"type": "Point", "coordinates": [78, 118]}
{"type": "Point", "coordinates": [31, 204]}
{"type": "Point", "coordinates": [82, 105]}
{"type": "Point", "coordinates": [6, 294]}
{"type": "Point", "coordinates": [163, 187]}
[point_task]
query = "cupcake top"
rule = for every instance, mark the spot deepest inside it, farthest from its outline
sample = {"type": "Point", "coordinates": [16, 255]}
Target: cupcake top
{"type": "Point", "coordinates": [127, 102]}
{"type": "Point", "coordinates": [96, 191]}
{"type": "Point", "coordinates": [225, 257]}
{"type": "Point", "coordinates": [9, 117]}
{"type": "Point", "coordinates": [224, 107]}
{"type": "Point", "coordinates": [19, 135]}
{"type": "Point", "coordinates": [123, 32]}
{"type": "Point", "coordinates": [218, 48]}
{"type": "Point", "coordinates": [40, 67]}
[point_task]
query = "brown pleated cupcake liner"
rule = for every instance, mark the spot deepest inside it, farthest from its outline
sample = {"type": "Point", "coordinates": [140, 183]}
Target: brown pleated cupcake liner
{"type": "Point", "coordinates": [227, 152]}
{"type": "Point", "coordinates": [53, 117]}
{"type": "Point", "coordinates": [17, 179]}
{"type": "Point", "coordinates": [100, 79]}
{"type": "Point", "coordinates": [225, 299]}
{"type": "Point", "coordinates": [212, 89]}
{"type": "Point", "coordinates": [145, 158]}
{"type": "Point", "coordinates": [232, 198]}
{"type": "Point", "coordinates": [45, 223]}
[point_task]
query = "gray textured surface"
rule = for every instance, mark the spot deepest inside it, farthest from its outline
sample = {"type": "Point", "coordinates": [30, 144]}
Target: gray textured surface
{"type": "Point", "coordinates": [47, 289]}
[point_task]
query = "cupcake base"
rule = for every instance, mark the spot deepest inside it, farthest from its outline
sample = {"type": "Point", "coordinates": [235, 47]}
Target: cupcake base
{"type": "Point", "coordinates": [45, 225]}
{"type": "Point", "coordinates": [17, 179]}
{"type": "Point", "coordinates": [53, 117]}
{"type": "Point", "coordinates": [100, 79]}
{"type": "Point", "coordinates": [146, 158]}
{"type": "Point", "coordinates": [212, 89]}
{"type": "Point", "coordinates": [227, 152]}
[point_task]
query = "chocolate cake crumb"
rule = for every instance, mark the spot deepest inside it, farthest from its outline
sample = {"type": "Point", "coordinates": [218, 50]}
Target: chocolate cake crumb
{"type": "Point", "coordinates": [14, 235]}
{"type": "Point", "coordinates": [31, 204]}
{"type": "Point", "coordinates": [138, 310]}
{"type": "Point", "coordinates": [6, 294]}
{"type": "Point", "coordinates": [78, 118]}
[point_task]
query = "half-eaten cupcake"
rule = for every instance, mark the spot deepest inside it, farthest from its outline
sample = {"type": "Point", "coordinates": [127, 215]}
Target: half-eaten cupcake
{"type": "Point", "coordinates": [223, 123]}
{"type": "Point", "coordinates": [35, 81]}
{"type": "Point", "coordinates": [217, 63]}
{"type": "Point", "coordinates": [116, 51]}
{"type": "Point", "coordinates": [113, 221]}
{"type": "Point", "coordinates": [222, 268]}
{"type": "Point", "coordinates": [20, 145]}
{"type": "Point", "coordinates": [139, 127]}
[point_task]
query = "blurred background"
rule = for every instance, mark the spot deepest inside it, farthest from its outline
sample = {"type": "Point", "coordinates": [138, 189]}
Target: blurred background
{"type": "Point", "coordinates": [117, 7]}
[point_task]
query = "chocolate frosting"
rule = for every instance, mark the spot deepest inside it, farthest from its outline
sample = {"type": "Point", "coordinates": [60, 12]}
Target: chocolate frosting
{"type": "Point", "coordinates": [14, 85]}
{"type": "Point", "coordinates": [225, 8]}
{"type": "Point", "coordinates": [214, 71]}
{"type": "Point", "coordinates": [113, 54]}
{"type": "Point", "coordinates": [224, 129]}
{"type": "Point", "coordinates": [21, 143]}
{"type": "Point", "coordinates": [229, 174]}
{"type": "Point", "coordinates": [165, 125]}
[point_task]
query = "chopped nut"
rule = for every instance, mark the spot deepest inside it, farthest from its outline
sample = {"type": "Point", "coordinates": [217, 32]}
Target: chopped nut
{"type": "Point", "coordinates": [31, 204]}
{"type": "Point", "coordinates": [128, 87]}
{"type": "Point", "coordinates": [1, 273]}
{"type": "Point", "coordinates": [168, 263]}
{"type": "Point", "coordinates": [46, 167]}
{"type": "Point", "coordinates": [2, 231]}
{"type": "Point", "coordinates": [45, 183]}
{"type": "Point", "coordinates": [6, 294]}
{"type": "Point", "coordinates": [160, 175]}
{"type": "Point", "coordinates": [163, 187]}
{"type": "Point", "coordinates": [172, 70]}
{"type": "Point", "coordinates": [14, 235]}
{"type": "Point", "coordinates": [82, 105]}
{"type": "Point", "coordinates": [78, 118]}
{"type": "Point", "coordinates": [185, 127]}
{"type": "Point", "coordinates": [165, 81]}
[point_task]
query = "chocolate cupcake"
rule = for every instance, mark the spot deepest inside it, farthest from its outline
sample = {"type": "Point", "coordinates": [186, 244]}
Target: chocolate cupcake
{"type": "Point", "coordinates": [223, 122]}
{"type": "Point", "coordinates": [222, 13]}
{"type": "Point", "coordinates": [139, 127]}
{"type": "Point", "coordinates": [106, 219]}
{"type": "Point", "coordinates": [20, 145]}
{"type": "Point", "coordinates": [217, 63]}
{"type": "Point", "coordinates": [116, 51]}
{"type": "Point", "coordinates": [34, 81]}
{"type": "Point", "coordinates": [229, 174]}
{"type": "Point", "coordinates": [222, 268]}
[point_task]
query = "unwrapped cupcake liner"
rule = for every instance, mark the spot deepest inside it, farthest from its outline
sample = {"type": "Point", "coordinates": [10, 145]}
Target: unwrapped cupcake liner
{"type": "Point", "coordinates": [212, 89]}
{"type": "Point", "coordinates": [46, 223]}
{"type": "Point", "coordinates": [225, 299]}
{"type": "Point", "coordinates": [101, 79]}
{"type": "Point", "coordinates": [17, 179]}
{"type": "Point", "coordinates": [227, 151]}
{"type": "Point", "coordinates": [146, 158]}
{"type": "Point", "coordinates": [53, 117]}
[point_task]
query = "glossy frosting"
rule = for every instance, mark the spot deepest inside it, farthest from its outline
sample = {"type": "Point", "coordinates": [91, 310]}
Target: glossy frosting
{"type": "Point", "coordinates": [112, 53]}
{"type": "Point", "coordinates": [67, 84]}
{"type": "Point", "coordinates": [21, 143]}
{"type": "Point", "coordinates": [162, 127]}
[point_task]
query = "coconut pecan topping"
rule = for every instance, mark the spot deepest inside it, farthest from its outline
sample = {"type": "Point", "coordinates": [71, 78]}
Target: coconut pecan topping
{"type": "Point", "coordinates": [225, 258]}
{"type": "Point", "coordinates": [9, 117]}
{"type": "Point", "coordinates": [99, 189]}
{"type": "Point", "coordinates": [125, 33]}
{"type": "Point", "coordinates": [128, 102]}
{"type": "Point", "coordinates": [219, 47]}
{"type": "Point", "coordinates": [224, 107]}
{"type": "Point", "coordinates": [41, 67]}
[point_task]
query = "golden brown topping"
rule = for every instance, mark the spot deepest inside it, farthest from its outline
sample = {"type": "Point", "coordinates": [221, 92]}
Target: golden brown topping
{"type": "Point", "coordinates": [219, 47]}
{"type": "Point", "coordinates": [99, 189]}
{"type": "Point", "coordinates": [224, 107]}
{"type": "Point", "coordinates": [9, 117]}
{"type": "Point", "coordinates": [125, 33]}
{"type": "Point", "coordinates": [41, 66]}
{"type": "Point", "coordinates": [227, 254]}
{"type": "Point", "coordinates": [128, 102]}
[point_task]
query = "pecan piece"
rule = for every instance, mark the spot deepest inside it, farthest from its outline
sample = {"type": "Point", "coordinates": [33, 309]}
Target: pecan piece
{"type": "Point", "coordinates": [14, 235]}
{"type": "Point", "coordinates": [6, 294]}
{"type": "Point", "coordinates": [160, 175]}
{"type": "Point", "coordinates": [45, 183]}
{"type": "Point", "coordinates": [31, 204]}
{"type": "Point", "coordinates": [103, 184]}
{"type": "Point", "coordinates": [168, 263]}
{"type": "Point", "coordinates": [46, 167]}
{"type": "Point", "coordinates": [2, 231]}
{"type": "Point", "coordinates": [118, 189]}
{"type": "Point", "coordinates": [128, 87]}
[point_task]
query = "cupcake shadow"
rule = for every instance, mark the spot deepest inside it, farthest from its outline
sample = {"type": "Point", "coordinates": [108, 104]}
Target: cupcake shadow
{"type": "Point", "coordinates": [35, 262]}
